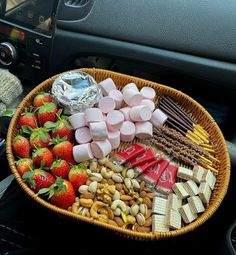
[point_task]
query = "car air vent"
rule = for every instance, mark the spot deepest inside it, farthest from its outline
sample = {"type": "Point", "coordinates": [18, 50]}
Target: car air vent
{"type": "Point", "coordinates": [76, 3]}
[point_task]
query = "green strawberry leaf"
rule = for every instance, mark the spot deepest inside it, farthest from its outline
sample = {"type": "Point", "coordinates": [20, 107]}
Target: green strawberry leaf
{"type": "Point", "coordinates": [28, 176]}
{"type": "Point", "coordinates": [59, 113]}
{"type": "Point", "coordinates": [50, 125]}
{"type": "Point", "coordinates": [43, 136]}
{"type": "Point", "coordinates": [43, 191]}
{"type": "Point", "coordinates": [27, 130]}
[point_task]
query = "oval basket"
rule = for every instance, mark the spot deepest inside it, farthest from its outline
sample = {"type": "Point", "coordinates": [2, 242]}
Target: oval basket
{"type": "Point", "coordinates": [200, 115]}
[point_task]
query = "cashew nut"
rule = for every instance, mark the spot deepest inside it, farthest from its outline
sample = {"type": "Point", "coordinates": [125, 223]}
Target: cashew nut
{"type": "Point", "coordinates": [102, 161]}
{"type": "Point", "coordinates": [117, 212]}
{"type": "Point", "coordinates": [75, 207]}
{"type": "Point", "coordinates": [95, 207]}
{"type": "Point", "coordinates": [116, 195]}
{"type": "Point", "coordinates": [86, 202]}
{"type": "Point", "coordinates": [106, 174]}
{"type": "Point", "coordinates": [95, 177]}
{"type": "Point", "coordinates": [93, 165]}
{"type": "Point", "coordinates": [119, 204]}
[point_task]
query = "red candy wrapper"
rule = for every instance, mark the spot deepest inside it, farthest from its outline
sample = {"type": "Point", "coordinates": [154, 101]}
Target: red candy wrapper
{"type": "Point", "coordinates": [128, 153]}
{"type": "Point", "coordinates": [152, 174]}
{"type": "Point", "coordinates": [167, 179]}
{"type": "Point", "coordinates": [142, 168]}
{"type": "Point", "coordinates": [146, 156]}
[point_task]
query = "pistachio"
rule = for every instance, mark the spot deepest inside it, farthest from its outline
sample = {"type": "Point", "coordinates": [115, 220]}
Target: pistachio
{"type": "Point", "coordinates": [93, 166]}
{"type": "Point", "coordinates": [93, 187]}
{"type": "Point", "coordinates": [148, 202]}
{"type": "Point", "coordinates": [102, 161]}
{"type": "Point", "coordinates": [140, 219]}
{"type": "Point", "coordinates": [135, 184]}
{"type": "Point", "coordinates": [143, 209]}
{"type": "Point", "coordinates": [95, 177]}
{"type": "Point", "coordinates": [130, 173]}
{"type": "Point", "coordinates": [117, 177]}
{"type": "Point", "coordinates": [106, 173]}
{"type": "Point", "coordinates": [128, 183]}
{"type": "Point", "coordinates": [114, 167]}
{"type": "Point", "coordinates": [116, 195]}
{"type": "Point", "coordinates": [134, 210]}
{"type": "Point", "coordinates": [83, 188]}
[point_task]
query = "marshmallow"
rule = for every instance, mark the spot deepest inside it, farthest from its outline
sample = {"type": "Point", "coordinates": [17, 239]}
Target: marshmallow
{"type": "Point", "coordinates": [148, 103]}
{"type": "Point", "coordinates": [114, 139]}
{"type": "Point", "coordinates": [82, 135]}
{"type": "Point", "coordinates": [98, 130]}
{"type": "Point", "coordinates": [127, 131]}
{"type": "Point", "coordinates": [140, 113]}
{"type": "Point", "coordinates": [117, 96]}
{"type": "Point", "coordinates": [131, 86]}
{"type": "Point", "coordinates": [93, 115]}
{"type": "Point", "coordinates": [77, 120]}
{"type": "Point", "coordinates": [101, 148]}
{"type": "Point", "coordinates": [106, 86]}
{"type": "Point", "coordinates": [114, 120]}
{"type": "Point", "coordinates": [148, 93]}
{"type": "Point", "coordinates": [132, 97]}
{"type": "Point", "coordinates": [158, 118]}
{"type": "Point", "coordinates": [144, 130]}
{"type": "Point", "coordinates": [106, 104]}
{"type": "Point", "coordinates": [126, 111]}
{"type": "Point", "coordinates": [82, 152]}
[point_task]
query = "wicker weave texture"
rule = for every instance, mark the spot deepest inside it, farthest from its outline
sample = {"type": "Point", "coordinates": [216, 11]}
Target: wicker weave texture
{"type": "Point", "coordinates": [199, 114]}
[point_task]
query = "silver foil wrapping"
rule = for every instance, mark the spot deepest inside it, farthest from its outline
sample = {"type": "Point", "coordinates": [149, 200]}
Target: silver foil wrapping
{"type": "Point", "coordinates": [76, 91]}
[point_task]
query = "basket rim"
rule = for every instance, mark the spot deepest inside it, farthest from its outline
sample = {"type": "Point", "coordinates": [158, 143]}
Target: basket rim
{"type": "Point", "coordinates": [128, 233]}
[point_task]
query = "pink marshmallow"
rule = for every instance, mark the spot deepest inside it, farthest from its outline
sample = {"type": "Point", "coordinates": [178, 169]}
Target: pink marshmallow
{"type": "Point", "coordinates": [132, 97]}
{"type": "Point", "coordinates": [77, 120]}
{"type": "Point", "coordinates": [114, 120]}
{"type": "Point", "coordinates": [114, 139]}
{"type": "Point", "coordinates": [106, 104]}
{"type": "Point", "coordinates": [82, 135]}
{"type": "Point", "coordinates": [131, 86]}
{"type": "Point", "coordinates": [106, 86]}
{"type": "Point", "coordinates": [98, 130]}
{"type": "Point", "coordinates": [144, 130]}
{"type": "Point", "coordinates": [148, 103]}
{"type": "Point", "coordinates": [148, 93]}
{"type": "Point", "coordinates": [158, 118]}
{"type": "Point", "coordinates": [101, 148]}
{"type": "Point", "coordinates": [117, 96]}
{"type": "Point", "coordinates": [140, 113]}
{"type": "Point", "coordinates": [82, 152]}
{"type": "Point", "coordinates": [127, 131]}
{"type": "Point", "coordinates": [93, 115]}
{"type": "Point", "coordinates": [126, 111]}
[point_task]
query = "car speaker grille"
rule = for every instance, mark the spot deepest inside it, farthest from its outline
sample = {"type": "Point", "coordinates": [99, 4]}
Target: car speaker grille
{"type": "Point", "coordinates": [76, 3]}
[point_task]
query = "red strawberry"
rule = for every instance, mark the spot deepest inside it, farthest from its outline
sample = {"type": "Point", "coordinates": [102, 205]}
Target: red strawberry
{"type": "Point", "coordinates": [41, 98]}
{"type": "Point", "coordinates": [24, 165]}
{"type": "Point", "coordinates": [39, 138]}
{"type": "Point", "coordinates": [21, 146]}
{"type": "Point", "coordinates": [42, 156]}
{"type": "Point", "coordinates": [38, 179]}
{"type": "Point", "coordinates": [64, 150]}
{"type": "Point", "coordinates": [28, 119]}
{"type": "Point", "coordinates": [60, 168]}
{"type": "Point", "coordinates": [61, 193]}
{"type": "Point", "coordinates": [61, 128]}
{"type": "Point", "coordinates": [77, 176]}
{"type": "Point", "coordinates": [47, 112]}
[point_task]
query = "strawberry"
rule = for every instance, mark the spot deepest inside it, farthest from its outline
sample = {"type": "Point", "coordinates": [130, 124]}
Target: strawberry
{"type": "Point", "coordinates": [21, 146]}
{"type": "Point", "coordinates": [41, 98]}
{"type": "Point", "coordinates": [47, 112]}
{"type": "Point", "coordinates": [28, 119]}
{"type": "Point", "coordinates": [60, 168]}
{"type": "Point", "coordinates": [42, 156]}
{"type": "Point", "coordinates": [61, 128]}
{"type": "Point", "coordinates": [39, 138]}
{"type": "Point", "coordinates": [64, 150]}
{"type": "Point", "coordinates": [77, 176]}
{"type": "Point", "coordinates": [38, 179]}
{"type": "Point", "coordinates": [61, 193]}
{"type": "Point", "coordinates": [24, 165]}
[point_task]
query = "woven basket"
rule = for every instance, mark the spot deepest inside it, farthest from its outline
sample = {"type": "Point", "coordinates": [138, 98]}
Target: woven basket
{"type": "Point", "coordinates": [200, 115]}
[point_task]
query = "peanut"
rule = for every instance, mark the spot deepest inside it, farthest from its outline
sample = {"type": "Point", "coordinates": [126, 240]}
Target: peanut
{"type": "Point", "coordinates": [119, 221]}
{"type": "Point", "coordinates": [148, 222]}
{"type": "Point", "coordinates": [142, 185]}
{"type": "Point", "coordinates": [143, 229]}
{"type": "Point", "coordinates": [143, 194]}
{"type": "Point", "coordinates": [150, 195]}
{"type": "Point", "coordinates": [126, 198]}
{"type": "Point", "coordinates": [113, 223]}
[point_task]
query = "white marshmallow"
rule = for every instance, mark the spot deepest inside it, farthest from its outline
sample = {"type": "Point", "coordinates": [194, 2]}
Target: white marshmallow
{"type": "Point", "coordinates": [126, 111]}
{"type": "Point", "coordinates": [118, 97]}
{"type": "Point", "coordinates": [114, 120]}
{"type": "Point", "coordinates": [82, 152]}
{"type": "Point", "coordinates": [106, 104]}
{"type": "Point", "coordinates": [114, 139]}
{"type": "Point", "coordinates": [148, 93]}
{"type": "Point", "coordinates": [98, 131]}
{"type": "Point", "coordinates": [77, 120]}
{"type": "Point", "coordinates": [132, 86]}
{"type": "Point", "coordinates": [101, 148]}
{"type": "Point", "coordinates": [144, 130]}
{"type": "Point", "coordinates": [106, 86]}
{"type": "Point", "coordinates": [148, 103]}
{"type": "Point", "coordinates": [158, 118]}
{"type": "Point", "coordinates": [132, 97]}
{"type": "Point", "coordinates": [82, 135]}
{"type": "Point", "coordinates": [127, 131]}
{"type": "Point", "coordinates": [93, 115]}
{"type": "Point", "coordinates": [140, 113]}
